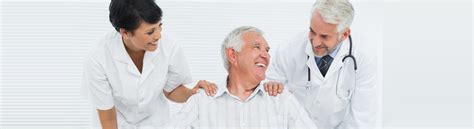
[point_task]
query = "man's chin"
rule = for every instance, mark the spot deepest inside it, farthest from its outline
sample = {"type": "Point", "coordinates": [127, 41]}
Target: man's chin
{"type": "Point", "coordinates": [260, 77]}
{"type": "Point", "coordinates": [319, 55]}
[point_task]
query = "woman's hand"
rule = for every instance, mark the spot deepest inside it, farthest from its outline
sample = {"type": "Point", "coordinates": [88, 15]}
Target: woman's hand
{"type": "Point", "coordinates": [209, 87]}
{"type": "Point", "coordinates": [273, 88]}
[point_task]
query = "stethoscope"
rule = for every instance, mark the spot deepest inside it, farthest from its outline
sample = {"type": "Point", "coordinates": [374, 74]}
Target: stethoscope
{"type": "Point", "coordinates": [351, 58]}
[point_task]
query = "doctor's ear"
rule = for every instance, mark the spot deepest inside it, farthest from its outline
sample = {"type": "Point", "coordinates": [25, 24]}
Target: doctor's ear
{"type": "Point", "coordinates": [231, 57]}
{"type": "Point", "coordinates": [346, 34]}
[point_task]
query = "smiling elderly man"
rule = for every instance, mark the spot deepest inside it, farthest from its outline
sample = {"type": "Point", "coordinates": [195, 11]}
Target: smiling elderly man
{"type": "Point", "coordinates": [241, 101]}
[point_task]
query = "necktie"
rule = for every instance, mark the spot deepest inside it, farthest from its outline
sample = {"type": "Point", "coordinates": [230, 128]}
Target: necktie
{"type": "Point", "coordinates": [324, 64]}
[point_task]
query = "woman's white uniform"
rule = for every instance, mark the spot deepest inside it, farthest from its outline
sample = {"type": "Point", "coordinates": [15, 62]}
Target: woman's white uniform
{"type": "Point", "coordinates": [111, 79]}
{"type": "Point", "coordinates": [327, 109]}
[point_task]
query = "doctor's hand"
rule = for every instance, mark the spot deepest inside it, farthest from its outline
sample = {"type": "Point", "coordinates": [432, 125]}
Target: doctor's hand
{"type": "Point", "coordinates": [209, 87]}
{"type": "Point", "coordinates": [273, 88]}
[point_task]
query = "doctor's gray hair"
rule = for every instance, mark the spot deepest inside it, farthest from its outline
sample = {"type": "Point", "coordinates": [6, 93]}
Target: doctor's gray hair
{"type": "Point", "coordinates": [339, 12]}
{"type": "Point", "coordinates": [234, 41]}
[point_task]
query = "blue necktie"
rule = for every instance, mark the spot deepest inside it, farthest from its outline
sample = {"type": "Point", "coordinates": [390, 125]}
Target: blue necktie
{"type": "Point", "coordinates": [324, 64]}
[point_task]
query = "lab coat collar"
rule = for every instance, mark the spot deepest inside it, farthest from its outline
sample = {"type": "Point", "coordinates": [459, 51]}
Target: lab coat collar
{"type": "Point", "coordinates": [335, 65]}
{"type": "Point", "coordinates": [337, 62]}
{"type": "Point", "coordinates": [311, 62]}
{"type": "Point", "coordinates": [117, 48]}
{"type": "Point", "coordinates": [120, 54]}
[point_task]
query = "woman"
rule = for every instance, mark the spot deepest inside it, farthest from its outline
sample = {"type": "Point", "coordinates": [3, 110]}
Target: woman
{"type": "Point", "coordinates": [135, 67]}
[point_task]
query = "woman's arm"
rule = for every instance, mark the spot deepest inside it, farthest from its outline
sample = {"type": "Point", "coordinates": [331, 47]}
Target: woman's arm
{"type": "Point", "coordinates": [108, 118]}
{"type": "Point", "coordinates": [181, 93]}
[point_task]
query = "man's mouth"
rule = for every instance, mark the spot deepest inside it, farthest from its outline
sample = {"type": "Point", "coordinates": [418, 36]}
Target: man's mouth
{"type": "Point", "coordinates": [261, 65]}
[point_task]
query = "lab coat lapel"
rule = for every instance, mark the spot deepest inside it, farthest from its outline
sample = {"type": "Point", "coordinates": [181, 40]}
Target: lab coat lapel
{"type": "Point", "coordinates": [311, 63]}
{"type": "Point", "coordinates": [120, 55]}
{"type": "Point", "coordinates": [337, 62]}
{"type": "Point", "coordinates": [149, 61]}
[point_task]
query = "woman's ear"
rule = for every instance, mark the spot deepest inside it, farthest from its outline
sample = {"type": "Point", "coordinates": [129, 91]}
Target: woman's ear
{"type": "Point", "coordinates": [125, 34]}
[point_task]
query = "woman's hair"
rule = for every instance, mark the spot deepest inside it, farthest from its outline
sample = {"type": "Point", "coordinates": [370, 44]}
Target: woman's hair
{"type": "Point", "coordinates": [128, 14]}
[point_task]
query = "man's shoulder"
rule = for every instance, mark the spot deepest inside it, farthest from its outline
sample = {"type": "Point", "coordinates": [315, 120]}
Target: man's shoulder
{"type": "Point", "coordinates": [284, 96]}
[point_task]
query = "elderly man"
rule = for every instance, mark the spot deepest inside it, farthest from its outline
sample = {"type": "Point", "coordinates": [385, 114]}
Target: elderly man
{"type": "Point", "coordinates": [241, 101]}
{"type": "Point", "coordinates": [331, 76]}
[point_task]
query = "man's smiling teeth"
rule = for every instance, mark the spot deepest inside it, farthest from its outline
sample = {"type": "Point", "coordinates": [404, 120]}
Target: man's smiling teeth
{"type": "Point", "coordinates": [261, 65]}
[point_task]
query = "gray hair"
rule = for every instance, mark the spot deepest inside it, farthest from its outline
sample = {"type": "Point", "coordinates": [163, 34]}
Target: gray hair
{"type": "Point", "coordinates": [339, 12]}
{"type": "Point", "coordinates": [234, 41]}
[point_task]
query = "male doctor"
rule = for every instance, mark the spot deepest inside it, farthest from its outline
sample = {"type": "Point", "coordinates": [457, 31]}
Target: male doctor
{"type": "Point", "coordinates": [332, 79]}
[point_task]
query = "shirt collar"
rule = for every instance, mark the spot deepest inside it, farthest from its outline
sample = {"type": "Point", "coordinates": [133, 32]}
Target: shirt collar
{"type": "Point", "coordinates": [333, 54]}
{"type": "Point", "coordinates": [222, 90]}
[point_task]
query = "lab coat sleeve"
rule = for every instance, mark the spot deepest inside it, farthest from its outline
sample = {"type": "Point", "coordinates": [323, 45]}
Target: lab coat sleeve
{"type": "Point", "coordinates": [178, 70]}
{"type": "Point", "coordinates": [96, 85]}
{"type": "Point", "coordinates": [186, 118]}
{"type": "Point", "coordinates": [299, 118]}
{"type": "Point", "coordinates": [363, 109]}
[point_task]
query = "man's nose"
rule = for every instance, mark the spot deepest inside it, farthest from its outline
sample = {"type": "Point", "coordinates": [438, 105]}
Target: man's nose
{"type": "Point", "coordinates": [265, 55]}
{"type": "Point", "coordinates": [315, 41]}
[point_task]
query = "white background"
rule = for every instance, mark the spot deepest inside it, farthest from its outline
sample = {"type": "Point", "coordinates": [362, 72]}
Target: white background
{"type": "Point", "coordinates": [424, 51]}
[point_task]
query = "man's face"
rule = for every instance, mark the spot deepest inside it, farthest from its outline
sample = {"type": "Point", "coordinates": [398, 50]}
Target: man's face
{"type": "Point", "coordinates": [253, 59]}
{"type": "Point", "coordinates": [323, 36]}
{"type": "Point", "coordinates": [145, 37]}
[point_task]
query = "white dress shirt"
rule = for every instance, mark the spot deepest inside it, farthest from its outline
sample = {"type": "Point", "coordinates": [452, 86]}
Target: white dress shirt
{"type": "Point", "coordinates": [226, 111]}
{"type": "Point", "coordinates": [111, 79]}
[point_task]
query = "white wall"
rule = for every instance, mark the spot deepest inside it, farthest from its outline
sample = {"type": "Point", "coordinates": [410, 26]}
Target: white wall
{"type": "Point", "coordinates": [43, 43]}
{"type": "Point", "coordinates": [427, 64]}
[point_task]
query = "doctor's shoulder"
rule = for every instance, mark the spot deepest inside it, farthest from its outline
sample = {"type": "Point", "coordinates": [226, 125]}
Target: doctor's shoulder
{"type": "Point", "coordinates": [101, 46]}
{"type": "Point", "coordinates": [295, 43]}
{"type": "Point", "coordinates": [291, 50]}
{"type": "Point", "coordinates": [365, 50]}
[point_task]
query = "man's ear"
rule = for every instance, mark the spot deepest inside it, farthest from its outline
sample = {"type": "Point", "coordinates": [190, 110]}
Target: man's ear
{"type": "Point", "coordinates": [125, 34]}
{"type": "Point", "coordinates": [231, 56]}
{"type": "Point", "coordinates": [346, 34]}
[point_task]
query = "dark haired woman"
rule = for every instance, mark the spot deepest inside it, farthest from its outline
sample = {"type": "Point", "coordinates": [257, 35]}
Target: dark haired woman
{"type": "Point", "coordinates": [132, 70]}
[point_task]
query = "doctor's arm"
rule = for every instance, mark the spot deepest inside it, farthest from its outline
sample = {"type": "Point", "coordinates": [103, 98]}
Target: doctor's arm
{"type": "Point", "coordinates": [299, 118]}
{"type": "Point", "coordinates": [187, 116]}
{"type": "Point", "coordinates": [108, 118]}
{"type": "Point", "coordinates": [178, 75]}
{"type": "Point", "coordinates": [275, 76]}
{"type": "Point", "coordinates": [97, 87]}
{"type": "Point", "coordinates": [181, 93]}
{"type": "Point", "coordinates": [363, 111]}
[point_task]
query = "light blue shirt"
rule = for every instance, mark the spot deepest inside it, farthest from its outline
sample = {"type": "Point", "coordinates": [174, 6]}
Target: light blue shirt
{"type": "Point", "coordinates": [332, 54]}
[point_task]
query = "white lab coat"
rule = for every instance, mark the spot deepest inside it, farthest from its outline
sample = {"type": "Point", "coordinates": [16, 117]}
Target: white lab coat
{"type": "Point", "coordinates": [111, 79]}
{"type": "Point", "coordinates": [289, 65]}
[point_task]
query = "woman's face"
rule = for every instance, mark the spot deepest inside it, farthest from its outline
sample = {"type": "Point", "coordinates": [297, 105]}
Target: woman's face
{"type": "Point", "coordinates": [145, 37]}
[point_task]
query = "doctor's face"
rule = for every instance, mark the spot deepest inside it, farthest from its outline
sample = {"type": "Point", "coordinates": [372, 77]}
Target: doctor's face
{"type": "Point", "coordinates": [323, 36]}
{"type": "Point", "coordinates": [145, 37]}
{"type": "Point", "coordinates": [253, 59]}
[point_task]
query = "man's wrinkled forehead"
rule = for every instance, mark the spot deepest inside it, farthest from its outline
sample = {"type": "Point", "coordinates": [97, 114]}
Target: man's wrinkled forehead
{"type": "Point", "coordinates": [254, 39]}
